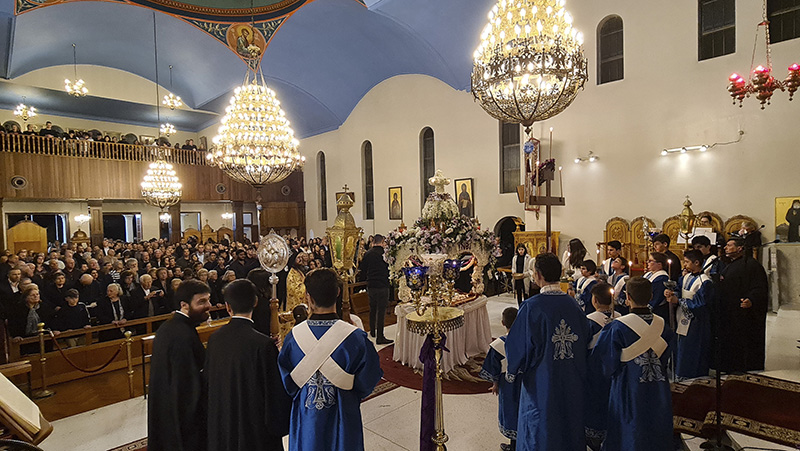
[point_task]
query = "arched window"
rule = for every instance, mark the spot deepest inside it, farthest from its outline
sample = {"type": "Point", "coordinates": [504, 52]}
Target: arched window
{"type": "Point", "coordinates": [716, 28]}
{"type": "Point", "coordinates": [428, 160]}
{"type": "Point", "coordinates": [610, 61]}
{"type": "Point", "coordinates": [509, 157]}
{"type": "Point", "coordinates": [784, 19]}
{"type": "Point", "coordinates": [369, 189]}
{"type": "Point", "coordinates": [322, 183]}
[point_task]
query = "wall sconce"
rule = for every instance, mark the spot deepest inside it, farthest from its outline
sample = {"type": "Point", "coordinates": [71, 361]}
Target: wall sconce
{"type": "Point", "coordinates": [591, 158]}
{"type": "Point", "coordinates": [700, 148]}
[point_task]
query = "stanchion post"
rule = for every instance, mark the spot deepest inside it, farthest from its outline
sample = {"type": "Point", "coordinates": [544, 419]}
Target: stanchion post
{"type": "Point", "coordinates": [43, 392]}
{"type": "Point", "coordinates": [128, 343]}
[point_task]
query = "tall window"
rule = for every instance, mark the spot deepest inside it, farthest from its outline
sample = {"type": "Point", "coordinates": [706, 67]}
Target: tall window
{"type": "Point", "coordinates": [784, 19]}
{"type": "Point", "coordinates": [509, 157]}
{"type": "Point", "coordinates": [717, 28]}
{"type": "Point", "coordinates": [610, 61]}
{"type": "Point", "coordinates": [428, 161]}
{"type": "Point", "coordinates": [323, 186]}
{"type": "Point", "coordinates": [369, 189]}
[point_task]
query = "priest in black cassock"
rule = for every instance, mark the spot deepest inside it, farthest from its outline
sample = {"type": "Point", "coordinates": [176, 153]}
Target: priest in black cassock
{"type": "Point", "coordinates": [248, 408]}
{"type": "Point", "coordinates": [743, 311]}
{"type": "Point", "coordinates": [176, 407]}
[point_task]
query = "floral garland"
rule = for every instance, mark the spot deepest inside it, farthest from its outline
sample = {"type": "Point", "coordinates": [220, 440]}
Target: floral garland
{"type": "Point", "coordinates": [439, 208]}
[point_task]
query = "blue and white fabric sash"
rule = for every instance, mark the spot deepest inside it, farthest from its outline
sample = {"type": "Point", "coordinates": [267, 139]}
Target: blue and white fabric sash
{"type": "Point", "coordinates": [500, 346]}
{"type": "Point", "coordinates": [649, 336]}
{"type": "Point", "coordinates": [318, 354]}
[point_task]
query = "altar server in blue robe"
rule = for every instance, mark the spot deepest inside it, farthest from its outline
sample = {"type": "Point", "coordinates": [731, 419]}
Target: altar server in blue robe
{"type": "Point", "coordinates": [547, 348]}
{"type": "Point", "coordinates": [617, 280]}
{"type": "Point", "coordinates": [597, 386]}
{"type": "Point", "coordinates": [327, 366]}
{"type": "Point", "coordinates": [584, 284]}
{"type": "Point", "coordinates": [657, 275]}
{"type": "Point", "coordinates": [633, 351]}
{"type": "Point", "coordinates": [613, 249]}
{"type": "Point", "coordinates": [693, 318]}
{"type": "Point", "coordinates": [494, 370]}
{"type": "Point", "coordinates": [703, 244]}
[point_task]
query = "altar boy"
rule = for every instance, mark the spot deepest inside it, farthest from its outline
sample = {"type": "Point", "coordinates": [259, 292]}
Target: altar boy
{"type": "Point", "coordinates": [494, 369]}
{"type": "Point", "coordinates": [585, 284]}
{"type": "Point", "coordinates": [327, 366]}
{"type": "Point", "coordinates": [633, 351]}
{"type": "Point", "coordinates": [693, 318]}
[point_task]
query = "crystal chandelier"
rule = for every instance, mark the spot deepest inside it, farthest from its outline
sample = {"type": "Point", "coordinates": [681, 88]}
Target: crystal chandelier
{"type": "Point", "coordinates": [762, 84]}
{"type": "Point", "coordinates": [255, 144]}
{"type": "Point", "coordinates": [24, 112]}
{"type": "Point", "coordinates": [171, 101]}
{"type": "Point", "coordinates": [164, 217]}
{"type": "Point", "coordinates": [167, 129]}
{"type": "Point", "coordinates": [78, 87]}
{"type": "Point", "coordinates": [83, 218]}
{"type": "Point", "coordinates": [160, 186]}
{"type": "Point", "coordinates": [529, 65]}
{"type": "Point", "coordinates": [226, 216]}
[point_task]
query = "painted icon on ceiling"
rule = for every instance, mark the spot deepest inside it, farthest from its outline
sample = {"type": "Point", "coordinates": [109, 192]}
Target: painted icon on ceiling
{"type": "Point", "coordinates": [246, 41]}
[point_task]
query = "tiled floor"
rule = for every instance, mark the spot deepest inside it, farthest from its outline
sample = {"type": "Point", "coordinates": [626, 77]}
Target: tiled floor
{"type": "Point", "coordinates": [391, 421]}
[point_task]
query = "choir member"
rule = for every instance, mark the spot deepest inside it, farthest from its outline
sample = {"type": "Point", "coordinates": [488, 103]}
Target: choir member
{"type": "Point", "coordinates": [176, 407]}
{"type": "Point", "coordinates": [617, 280]}
{"type": "Point", "coordinates": [661, 245]}
{"type": "Point", "coordinates": [693, 319]}
{"type": "Point", "coordinates": [547, 347]}
{"type": "Point", "coordinates": [328, 384]}
{"type": "Point", "coordinates": [657, 275]}
{"type": "Point", "coordinates": [703, 244]}
{"type": "Point", "coordinates": [585, 284]}
{"type": "Point", "coordinates": [633, 351]}
{"type": "Point", "coordinates": [613, 249]}
{"type": "Point", "coordinates": [521, 272]}
{"type": "Point", "coordinates": [248, 408]}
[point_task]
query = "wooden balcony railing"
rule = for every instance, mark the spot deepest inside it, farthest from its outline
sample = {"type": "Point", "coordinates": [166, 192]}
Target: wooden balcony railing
{"type": "Point", "coordinates": [43, 145]}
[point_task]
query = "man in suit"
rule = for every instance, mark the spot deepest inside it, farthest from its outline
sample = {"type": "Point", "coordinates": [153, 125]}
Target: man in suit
{"type": "Point", "coordinates": [145, 300]}
{"type": "Point", "coordinates": [10, 293]}
{"type": "Point", "coordinates": [244, 381]}
{"type": "Point", "coordinates": [176, 407]}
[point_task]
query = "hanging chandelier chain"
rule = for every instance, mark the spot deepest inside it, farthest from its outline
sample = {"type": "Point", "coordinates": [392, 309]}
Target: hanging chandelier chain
{"type": "Point", "coordinates": [75, 60]}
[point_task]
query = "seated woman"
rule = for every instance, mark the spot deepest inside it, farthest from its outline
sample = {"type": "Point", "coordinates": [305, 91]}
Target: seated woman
{"type": "Point", "coordinates": [111, 310]}
{"type": "Point", "coordinates": [24, 317]}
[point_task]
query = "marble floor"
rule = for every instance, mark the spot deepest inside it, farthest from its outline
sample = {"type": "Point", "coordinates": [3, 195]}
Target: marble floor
{"type": "Point", "coordinates": [391, 421]}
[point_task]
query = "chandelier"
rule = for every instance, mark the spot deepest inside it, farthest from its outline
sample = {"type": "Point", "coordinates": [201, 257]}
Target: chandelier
{"type": "Point", "coordinates": [227, 215]}
{"type": "Point", "coordinates": [83, 218]}
{"type": "Point", "coordinates": [160, 186]}
{"type": "Point", "coordinates": [255, 144]}
{"type": "Point", "coordinates": [24, 112]}
{"type": "Point", "coordinates": [164, 217]}
{"type": "Point", "coordinates": [167, 129]}
{"type": "Point", "coordinates": [761, 83]}
{"type": "Point", "coordinates": [171, 101]}
{"type": "Point", "coordinates": [529, 65]}
{"type": "Point", "coordinates": [78, 87]}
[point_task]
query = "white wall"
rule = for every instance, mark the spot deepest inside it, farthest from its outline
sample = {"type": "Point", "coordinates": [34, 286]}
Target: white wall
{"type": "Point", "coordinates": [667, 99]}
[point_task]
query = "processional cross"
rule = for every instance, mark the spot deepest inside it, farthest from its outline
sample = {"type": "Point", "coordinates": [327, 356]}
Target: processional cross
{"type": "Point", "coordinates": [439, 181]}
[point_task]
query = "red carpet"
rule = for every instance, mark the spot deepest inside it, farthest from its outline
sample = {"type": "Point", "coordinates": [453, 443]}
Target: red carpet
{"type": "Point", "coordinates": [463, 380]}
{"type": "Point", "coordinates": [754, 405]}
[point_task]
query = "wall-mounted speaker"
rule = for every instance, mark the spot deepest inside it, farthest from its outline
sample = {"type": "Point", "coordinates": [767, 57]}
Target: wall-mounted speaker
{"type": "Point", "coordinates": [285, 190]}
{"type": "Point", "coordinates": [19, 182]}
{"type": "Point", "coordinates": [221, 188]}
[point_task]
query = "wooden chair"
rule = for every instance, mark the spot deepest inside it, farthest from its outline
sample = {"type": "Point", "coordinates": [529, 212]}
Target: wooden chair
{"type": "Point", "coordinates": [733, 224]}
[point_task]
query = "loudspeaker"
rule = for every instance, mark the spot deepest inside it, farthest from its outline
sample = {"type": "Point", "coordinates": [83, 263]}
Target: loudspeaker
{"type": "Point", "coordinates": [19, 182]}
{"type": "Point", "coordinates": [221, 188]}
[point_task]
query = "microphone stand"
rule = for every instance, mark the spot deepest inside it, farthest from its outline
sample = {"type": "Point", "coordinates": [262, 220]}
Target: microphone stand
{"type": "Point", "coordinates": [716, 444]}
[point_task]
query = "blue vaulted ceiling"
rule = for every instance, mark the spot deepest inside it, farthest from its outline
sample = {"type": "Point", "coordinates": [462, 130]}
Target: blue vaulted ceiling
{"type": "Point", "coordinates": [326, 55]}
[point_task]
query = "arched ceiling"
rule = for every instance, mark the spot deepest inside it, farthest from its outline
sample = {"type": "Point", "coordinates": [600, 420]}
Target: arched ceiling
{"type": "Point", "coordinates": [321, 57]}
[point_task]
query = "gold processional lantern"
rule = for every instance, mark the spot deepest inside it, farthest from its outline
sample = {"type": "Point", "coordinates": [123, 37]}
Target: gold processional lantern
{"type": "Point", "coordinates": [529, 65]}
{"type": "Point", "coordinates": [687, 220]}
{"type": "Point", "coordinates": [344, 237]}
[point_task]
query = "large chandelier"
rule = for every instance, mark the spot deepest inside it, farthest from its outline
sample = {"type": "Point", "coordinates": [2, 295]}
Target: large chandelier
{"type": "Point", "coordinates": [762, 84]}
{"type": "Point", "coordinates": [529, 65]}
{"type": "Point", "coordinates": [167, 129]}
{"type": "Point", "coordinates": [171, 101]}
{"type": "Point", "coordinates": [160, 186]}
{"type": "Point", "coordinates": [24, 112]}
{"type": "Point", "coordinates": [75, 88]}
{"type": "Point", "coordinates": [255, 144]}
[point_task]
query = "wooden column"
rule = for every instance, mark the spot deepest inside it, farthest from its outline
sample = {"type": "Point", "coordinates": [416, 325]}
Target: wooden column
{"type": "Point", "coordinates": [238, 220]}
{"type": "Point", "coordinates": [96, 223]}
{"type": "Point", "coordinates": [175, 223]}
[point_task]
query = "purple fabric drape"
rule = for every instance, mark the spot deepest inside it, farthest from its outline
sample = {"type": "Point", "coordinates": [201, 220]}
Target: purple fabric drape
{"type": "Point", "coordinates": [427, 427]}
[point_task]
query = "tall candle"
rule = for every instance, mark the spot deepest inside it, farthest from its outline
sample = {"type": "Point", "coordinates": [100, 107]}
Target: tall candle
{"type": "Point", "coordinates": [561, 181]}
{"type": "Point", "coordinates": [551, 143]}
{"type": "Point", "coordinates": [536, 180]}
{"type": "Point", "coordinates": [669, 265]}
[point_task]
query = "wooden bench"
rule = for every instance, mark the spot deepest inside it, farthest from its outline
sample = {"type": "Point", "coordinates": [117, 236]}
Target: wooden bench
{"type": "Point", "coordinates": [12, 369]}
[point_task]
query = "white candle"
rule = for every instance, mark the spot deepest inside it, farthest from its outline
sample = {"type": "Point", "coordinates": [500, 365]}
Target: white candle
{"type": "Point", "coordinates": [561, 181]}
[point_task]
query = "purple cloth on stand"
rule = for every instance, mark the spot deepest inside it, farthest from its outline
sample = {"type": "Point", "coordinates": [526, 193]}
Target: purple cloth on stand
{"type": "Point", "coordinates": [427, 426]}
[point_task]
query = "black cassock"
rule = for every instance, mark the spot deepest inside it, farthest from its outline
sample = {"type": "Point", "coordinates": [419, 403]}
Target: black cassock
{"type": "Point", "coordinates": [176, 405]}
{"type": "Point", "coordinates": [248, 408]}
{"type": "Point", "coordinates": [743, 330]}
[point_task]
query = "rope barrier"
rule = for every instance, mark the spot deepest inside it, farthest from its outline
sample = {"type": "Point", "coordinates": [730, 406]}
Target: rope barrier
{"type": "Point", "coordinates": [95, 370]}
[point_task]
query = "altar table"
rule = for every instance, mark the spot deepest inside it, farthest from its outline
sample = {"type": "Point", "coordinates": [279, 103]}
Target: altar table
{"type": "Point", "coordinates": [470, 339]}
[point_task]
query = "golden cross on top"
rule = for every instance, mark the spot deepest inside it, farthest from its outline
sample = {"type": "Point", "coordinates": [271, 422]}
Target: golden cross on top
{"type": "Point", "coordinates": [345, 188]}
{"type": "Point", "coordinates": [439, 181]}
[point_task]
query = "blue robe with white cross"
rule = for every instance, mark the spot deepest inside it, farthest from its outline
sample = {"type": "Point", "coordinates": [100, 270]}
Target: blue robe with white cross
{"type": "Point", "coordinates": [619, 281]}
{"type": "Point", "coordinates": [597, 386]}
{"type": "Point", "coordinates": [324, 417]}
{"type": "Point", "coordinates": [507, 392]}
{"type": "Point", "coordinates": [585, 298]}
{"type": "Point", "coordinates": [694, 326]}
{"type": "Point", "coordinates": [658, 303]}
{"type": "Point", "coordinates": [640, 402]}
{"type": "Point", "coordinates": [547, 349]}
